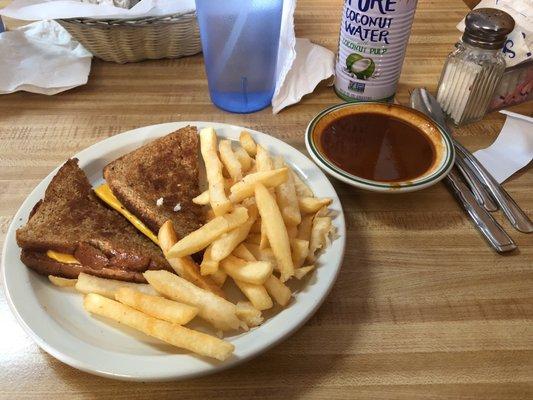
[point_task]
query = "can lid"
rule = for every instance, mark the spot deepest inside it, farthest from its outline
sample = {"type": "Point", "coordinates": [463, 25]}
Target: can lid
{"type": "Point", "coordinates": [487, 28]}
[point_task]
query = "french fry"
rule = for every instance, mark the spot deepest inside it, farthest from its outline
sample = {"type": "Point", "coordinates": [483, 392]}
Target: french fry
{"type": "Point", "coordinates": [208, 265]}
{"type": "Point", "coordinates": [156, 306]}
{"type": "Point", "coordinates": [310, 205]}
{"type": "Point", "coordinates": [167, 238]}
{"type": "Point", "coordinates": [300, 250]}
{"type": "Point", "coordinates": [299, 273]}
{"type": "Point", "coordinates": [202, 199]}
{"type": "Point", "coordinates": [248, 143]}
{"type": "Point", "coordinates": [261, 254]}
{"type": "Point", "coordinates": [230, 161]}
{"type": "Point", "coordinates": [263, 161]}
{"type": "Point", "coordinates": [214, 309]}
{"type": "Point", "coordinates": [263, 240]}
{"type": "Point", "coordinates": [189, 270]}
{"type": "Point", "coordinates": [245, 160]}
{"type": "Point", "coordinates": [185, 266]}
{"type": "Point", "coordinates": [257, 295]}
{"type": "Point", "coordinates": [319, 234]}
{"type": "Point", "coordinates": [225, 244]}
{"type": "Point", "coordinates": [305, 227]}
{"type": "Point", "coordinates": [219, 277]}
{"type": "Point", "coordinates": [278, 290]}
{"type": "Point", "coordinates": [287, 198]}
{"type": "Point", "coordinates": [302, 190]}
{"type": "Point", "coordinates": [276, 230]}
{"type": "Point", "coordinates": [250, 315]}
{"type": "Point", "coordinates": [256, 272]}
{"type": "Point", "coordinates": [245, 188]}
{"type": "Point", "coordinates": [249, 202]}
{"type": "Point", "coordinates": [203, 236]}
{"type": "Point", "coordinates": [241, 251]}
{"type": "Point", "coordinates": [108, 287]}
{"type": "Point", "coordinates": [217, 194]}
{"type": "Point", "coordinates": [62, 282]}
{"type": "Point", "coordinates": [176, 335]}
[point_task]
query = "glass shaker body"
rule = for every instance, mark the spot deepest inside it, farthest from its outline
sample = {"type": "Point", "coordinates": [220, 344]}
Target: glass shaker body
{"type": "Point", "coordinates": [468, 81]}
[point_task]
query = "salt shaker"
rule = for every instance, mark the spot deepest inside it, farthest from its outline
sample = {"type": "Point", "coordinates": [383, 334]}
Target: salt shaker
{"type": "Point", "coordinates": [474, 69]}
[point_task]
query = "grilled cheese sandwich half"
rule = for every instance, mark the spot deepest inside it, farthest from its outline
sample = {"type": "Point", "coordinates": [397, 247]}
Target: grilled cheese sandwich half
{"type": "Point", "coordinates": [70, 231]}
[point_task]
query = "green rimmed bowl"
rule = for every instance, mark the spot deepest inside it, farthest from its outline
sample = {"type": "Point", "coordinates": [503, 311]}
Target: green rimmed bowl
{"type": "Point", "coordinates": [444, 149]}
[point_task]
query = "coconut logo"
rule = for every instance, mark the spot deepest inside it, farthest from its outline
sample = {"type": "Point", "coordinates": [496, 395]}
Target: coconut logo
{"type": "Point", "coordinates": [359, 66]}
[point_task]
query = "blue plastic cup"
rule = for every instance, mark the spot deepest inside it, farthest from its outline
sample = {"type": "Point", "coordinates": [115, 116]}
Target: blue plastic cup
{"type": "Point", "coordinates": [240, 41]}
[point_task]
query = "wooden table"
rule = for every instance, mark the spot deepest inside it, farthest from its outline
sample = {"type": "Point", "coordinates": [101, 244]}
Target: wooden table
{"type": "Point", "coordinates": [422, 307]}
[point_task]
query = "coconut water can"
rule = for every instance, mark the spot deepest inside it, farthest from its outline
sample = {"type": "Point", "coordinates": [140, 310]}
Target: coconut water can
{"type": "Point", "coordinates": [372, 43]}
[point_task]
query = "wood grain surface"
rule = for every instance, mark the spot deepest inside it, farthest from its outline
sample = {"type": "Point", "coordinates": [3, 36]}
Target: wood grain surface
{"type": "Point", "coordinates": [422, 308]}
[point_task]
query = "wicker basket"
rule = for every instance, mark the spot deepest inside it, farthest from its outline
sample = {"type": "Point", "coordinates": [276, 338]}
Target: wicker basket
{"type": "Point", "coordinates": [132, 40]}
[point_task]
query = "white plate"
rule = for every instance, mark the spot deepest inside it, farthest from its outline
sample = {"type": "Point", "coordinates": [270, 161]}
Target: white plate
{"type": "Point", "coordinates": [55, 318]}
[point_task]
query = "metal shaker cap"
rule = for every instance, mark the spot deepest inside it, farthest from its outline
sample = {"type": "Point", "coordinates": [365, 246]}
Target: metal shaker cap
{"type": "Point", "coordinates": [487, 28]}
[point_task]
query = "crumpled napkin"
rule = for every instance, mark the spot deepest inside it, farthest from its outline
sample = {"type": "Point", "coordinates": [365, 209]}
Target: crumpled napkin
{"type": "Point", "coordinates": [42, 57]}
{"type": "Point", "coordinates": [302, 65]}
{"type": "Point", "coordinates": [512, 150]}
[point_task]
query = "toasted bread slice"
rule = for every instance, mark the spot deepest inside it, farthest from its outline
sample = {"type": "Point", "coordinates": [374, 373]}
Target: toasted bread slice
{"type": "Point", "coordinates": [158, 181]}
{"type": "Point", "coordinates": [70, 219]}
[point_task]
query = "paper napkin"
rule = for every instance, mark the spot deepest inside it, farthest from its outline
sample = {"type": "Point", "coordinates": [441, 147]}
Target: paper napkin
{"type": "Point", "coordinates": [42, 57]}
{"type": "Point", "coordinates": [512, 150]}
{"type": "Point", "coordinates": [301, 64]}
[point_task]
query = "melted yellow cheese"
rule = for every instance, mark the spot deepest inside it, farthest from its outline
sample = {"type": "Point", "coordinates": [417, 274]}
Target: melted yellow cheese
{"type": "Point", "coordinates": [61, 257]}
{"type": "Point", "coordinates": [105, 193]}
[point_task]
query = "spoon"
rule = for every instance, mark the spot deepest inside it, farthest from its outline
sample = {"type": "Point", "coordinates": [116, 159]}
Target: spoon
{"type": "Point", "coordinates": [423, 101]}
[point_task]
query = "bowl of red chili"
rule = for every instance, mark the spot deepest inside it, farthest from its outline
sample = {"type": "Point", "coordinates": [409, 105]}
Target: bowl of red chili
{"type": "Point", "coordinates": [380, 147]}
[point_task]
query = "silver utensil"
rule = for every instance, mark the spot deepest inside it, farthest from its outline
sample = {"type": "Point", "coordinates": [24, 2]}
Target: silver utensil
{"type": "Point", "coordinates": [481, 194]}
{"type": "Point", "coordinates": [483, 220]}
{"type": "Point", "coordinates": [423, 101]}
{"type": "Point", "coordinates": [420, 102]}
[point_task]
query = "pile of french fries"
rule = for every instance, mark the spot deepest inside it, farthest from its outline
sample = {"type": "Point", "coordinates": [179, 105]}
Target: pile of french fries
{"type": "Point", "coordinates": [264, 227]}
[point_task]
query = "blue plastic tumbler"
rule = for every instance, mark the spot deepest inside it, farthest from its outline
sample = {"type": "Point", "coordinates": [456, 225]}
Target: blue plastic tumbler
{"type": "Point", "coordinates": [240, 41]}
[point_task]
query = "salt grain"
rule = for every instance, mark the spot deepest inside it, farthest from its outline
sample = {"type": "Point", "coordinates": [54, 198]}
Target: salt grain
{"type": "Point", "coordinates": [177, 207]}
{"type": "Point", "coordinates": [159, 202]}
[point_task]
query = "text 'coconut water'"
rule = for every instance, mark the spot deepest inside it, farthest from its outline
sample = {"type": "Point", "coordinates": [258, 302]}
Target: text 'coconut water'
{"type": "Point", "coordinates": [373, 38]}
